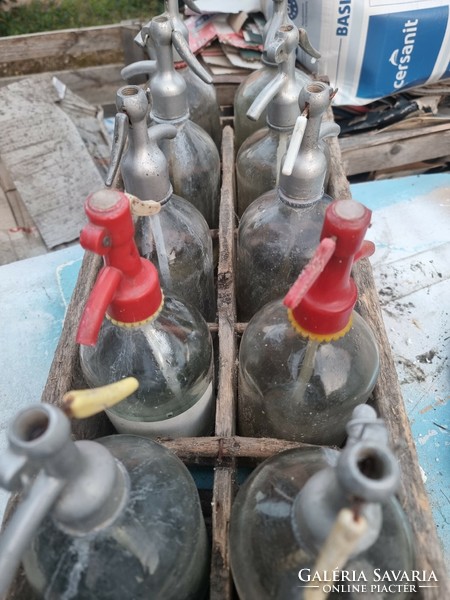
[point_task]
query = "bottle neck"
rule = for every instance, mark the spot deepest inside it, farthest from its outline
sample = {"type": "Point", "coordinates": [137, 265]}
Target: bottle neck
{"type": "Point", "coordinates": [283, 109]}
{"type": "Point", "coordinates": [169, 97]}
{"type": "Point", "coordinates": [97, 496]}
{"type": "Point", "coordinates": [312, 134]}
{"type": "Point", "coordinates": [298, 203]}
{"type": "Point", "coordinates": [138, 135]}
{"type": "Point", "coordinates": [316, 507]}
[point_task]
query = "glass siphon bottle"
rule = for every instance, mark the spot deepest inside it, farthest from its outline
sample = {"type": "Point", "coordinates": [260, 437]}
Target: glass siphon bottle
{"type": "Point", "coordinates": [309, 520]}
{"type": "Point", "coordinates": [280, 230]}
{"type": "Point", "coordinates": [194, 162]}
{"type": "Point", "coordinates": [258, 162]}
{"type": "Point", "coordinates": [129, 327]}
{"type": "Point", "coordinates": [258, 80]}
{"type": "Point", "coordinates": [307, 361]}
{"type": "Point", "coordinates": [116, 519]}
{"type": "Point", "coordinates": [204, 108]}
{"type": "Point", "coordinates": [170, 231]}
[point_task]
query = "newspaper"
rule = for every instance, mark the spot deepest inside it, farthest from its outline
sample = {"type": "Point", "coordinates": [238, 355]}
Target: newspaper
{"type": "Point", "coordinates": [374, 48]}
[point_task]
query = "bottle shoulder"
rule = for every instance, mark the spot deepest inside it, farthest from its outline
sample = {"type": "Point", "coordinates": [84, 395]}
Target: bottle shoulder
{"type": "Point", "coordinates": [159, 532]}
{"type": "Point", "coordinates": [180, 214]}
{"type": "Point", "coordinates": [271, 210]}
{"type": "Point", "coordinates": [268, 560]}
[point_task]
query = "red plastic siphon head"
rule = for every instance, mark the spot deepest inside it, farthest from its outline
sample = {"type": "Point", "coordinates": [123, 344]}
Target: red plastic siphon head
{"type": "Point", "coordinates": [324, 295]}
{"type": "Point", "coordinates": [127, 287]}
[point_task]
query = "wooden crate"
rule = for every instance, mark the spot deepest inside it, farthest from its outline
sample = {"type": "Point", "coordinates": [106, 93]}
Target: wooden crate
{"type": "Point", "coordinates": [89, 62]}
{"type": "Point", "coordinates": [225, 451]}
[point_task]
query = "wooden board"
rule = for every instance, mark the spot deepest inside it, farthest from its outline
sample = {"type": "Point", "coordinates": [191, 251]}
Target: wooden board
{"type": "Point", "coordinates": [54, 151]}
{"type": "Point", "coordinates": [64, 49]}
{"type": "Point", "coordinates": [367, 152]}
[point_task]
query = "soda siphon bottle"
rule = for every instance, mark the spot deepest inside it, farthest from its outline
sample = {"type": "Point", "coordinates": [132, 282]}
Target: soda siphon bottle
{"type": "Point", "coordinates": [129, 327]}
{"type": "Point", "coordinates": [194, 161]}
{"type": "Point", "coordinates": [115, 519]}
{"type": "Point", "coordinates": [258, 162]}
{"type": "Point", "coordinates": [280, 230]}
{"type": "Point", "coordinates": [313, 520]}
{"type": "Point", "coordinates": [258, 80]}
{"type": "Point", "coordinates": [170, 231]}
{"type": "Point", "coordinates": [307, 361]}
{"type": "Point", "coordinates": [204, 108]}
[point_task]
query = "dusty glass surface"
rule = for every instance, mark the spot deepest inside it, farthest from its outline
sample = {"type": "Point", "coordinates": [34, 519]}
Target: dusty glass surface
{"type": "Point", "coordinates": [275, 241]}
{"type": "Point", "coordinates": [178, 243]}
{"type": "Point", "coordinates": [257, 164]}
{"type": "Point", "coordinates": [156, 548]}
{"type": "Point", "coordinates": [281, 397]}
{"type": "Point", "coordinates": [203, 106]}
{"type": "Point", "coordinates": [194, 167]}
{"type": "Point", "coordinates": [246, 94]}
{"type": "Point", "coordinates": [265, 554]}
{"type": "Point", "coordinates": [171, 357]}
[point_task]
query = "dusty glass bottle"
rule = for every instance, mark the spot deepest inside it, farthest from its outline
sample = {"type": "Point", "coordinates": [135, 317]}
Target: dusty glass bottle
{"type": "Point", "coordinates": [280, 230]}
{"type": "Point", "coordinates": [204, 108]}
{"type": "Point", "coordinates": [258, 162]}
{"type": "Point", "coordinates": [116, 519]}
{"type": "Point", "coordinates": [170, 231]}
{"type": "Point", "coordinates": [258, 80]}
{"type": "Point", "coordinates": [129, 328]}
{"type": "Point", "coordinates": [284, 515]}
{"type": "Point", "coordinates": [194, 162]}
{"type": "Point", "coordinates": [304, 368]}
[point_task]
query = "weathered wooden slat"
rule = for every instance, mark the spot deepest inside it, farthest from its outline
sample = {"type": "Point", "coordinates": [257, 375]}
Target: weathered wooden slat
{"type": "Point", "coordinates": [369, 152]}
{"type": "Point", "coordinates": [221, 584]}
{"type": "Point", "coordinates": [220, 580]}
{"type": "Point", "coordinates": [65, 49]}
{"type": "Point", "coordinates": [221, 449]}
{"type": "Point", "coordinates": [225, 408]}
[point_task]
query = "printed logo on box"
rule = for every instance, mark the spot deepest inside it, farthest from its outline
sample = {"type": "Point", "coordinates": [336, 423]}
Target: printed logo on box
{"type": "Point", "coordinates": [401, 50]}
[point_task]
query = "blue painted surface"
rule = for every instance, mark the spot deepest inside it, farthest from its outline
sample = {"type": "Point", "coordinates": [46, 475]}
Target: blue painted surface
{"type": "Point", "coordinates": [411, 229]}
{"type": "Point", "coordinates": [34, 297]}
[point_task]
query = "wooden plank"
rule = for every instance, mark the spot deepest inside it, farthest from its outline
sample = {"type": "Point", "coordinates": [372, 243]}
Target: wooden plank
{"type": "Point", "coordinates": [226, 406]}
{"type": "Point", "coordinates": [64, 49]}
{"type": "Point", "coordinates": [220, 580]}
{"type": "Point", "coordinates": [226, 88]}
{"type": "Point", "coordinates": [19, 238]}
{"type": "Point", "coordinates": [202, 450]}
{"type": "Point", "coordinates": [46, 159]}
{"type": "Point", "coordinates": [97, 85]}
{"type": "Point", "coordinates": [221, 585]}
{"type": "Point", "coordinates": [369, 152]}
